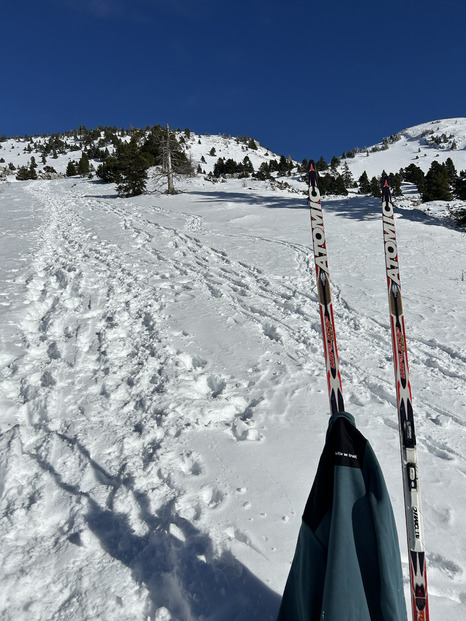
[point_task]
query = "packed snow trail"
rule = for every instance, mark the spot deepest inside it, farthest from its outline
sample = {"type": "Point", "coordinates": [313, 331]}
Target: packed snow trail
{"type": "Point", "coordinates": [104, 395]}
{"type": "Point", "coordinates": [164, 401]}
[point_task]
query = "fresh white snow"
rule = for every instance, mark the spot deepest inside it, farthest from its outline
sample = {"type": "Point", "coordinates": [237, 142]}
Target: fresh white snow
{"type": "Point", "coordinates": [419, 145]}
{"type": "Point", "coordinates": [163, 401]}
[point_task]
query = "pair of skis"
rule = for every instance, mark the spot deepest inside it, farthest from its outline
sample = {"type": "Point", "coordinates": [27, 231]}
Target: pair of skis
{"type": "Point", "coordinates": [414, 526]}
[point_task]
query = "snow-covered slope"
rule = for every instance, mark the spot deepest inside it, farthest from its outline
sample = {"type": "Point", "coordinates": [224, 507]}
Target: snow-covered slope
{"type": "Point", "coordinates": [204, 150]}
{"type": "Point", "coordinates": [163, 399]}
{"type": "Point", "coordinates": [419, 145]}
{"type": "Point", "coordinates": [226, 147]}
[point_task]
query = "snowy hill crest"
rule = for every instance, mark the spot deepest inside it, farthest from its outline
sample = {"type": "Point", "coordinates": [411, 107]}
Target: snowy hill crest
{"type": "Point", "coordinates": [420, 145]}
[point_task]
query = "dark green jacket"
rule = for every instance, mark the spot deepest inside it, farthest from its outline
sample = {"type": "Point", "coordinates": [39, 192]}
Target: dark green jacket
{"type": "Point", "coordinates": [347, 563]}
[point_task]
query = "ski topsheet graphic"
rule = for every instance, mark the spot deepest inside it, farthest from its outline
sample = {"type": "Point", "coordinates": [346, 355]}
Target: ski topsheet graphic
{"type": "Point", "coordinates": [414, 524]}
{"type": "Point", "coordinates": [332, 364]}
{"type": "Point", "coordinates": [347, 564]}
{"type": "Point", "coordinates": [412, 499]}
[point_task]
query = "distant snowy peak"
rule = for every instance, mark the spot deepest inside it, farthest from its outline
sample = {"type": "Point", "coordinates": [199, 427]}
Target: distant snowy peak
{"type": "Point", "coordinates": [445, 133]}
{"type": "Point", "coordinates": [419, 145]}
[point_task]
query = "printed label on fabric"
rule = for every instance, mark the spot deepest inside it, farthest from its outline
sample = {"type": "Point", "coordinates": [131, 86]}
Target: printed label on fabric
{"type": "Point", "coordinates": [349, 455]}
{"type": "Point", "coordinates": [348, 445]}
{"type": "Point", "coordinates": [342, 458]}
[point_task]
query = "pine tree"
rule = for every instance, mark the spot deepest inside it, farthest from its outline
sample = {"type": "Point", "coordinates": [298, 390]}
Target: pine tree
{"type": "Point", "coordinates": [71, 169]}
{"type": "Point", "coordinates": [395, 184]}
{"type": "Point", "coordinates": [284, 165]}
{"type": "Point", "coordinates": [219, 167]}
{"type": "Point", "coordinates": [364, 184]}
{"type": "Point", "coordinates": [83, 165]}
{"type": "Point", "coordinates": [460, 186]}
{"type": "Point", "coordinates": [452, 174]}
{"type": "Point", "coordinates": [231, 167]}
{"type": "Point", "coordinates": [329, 184]}
{"type": "Point", "coordinates": [339, 186]}
{"type": "Point", "coordinates": [108, 170]}
{"type": "Point", "coordinates": [375, 188]}
{"type": "Point", "coordinates": [325, 181]}
{"type": "Point", "coordinates": [247, 166]}
{"type": "Point", "coordinates": [321, 165]}
{"type": "Point", "coordinates": [347, 176]}
{"type": "Point", "coordinates": [437, 187]}
{"type": "Point", "coordinates": [25, 174]}
{"type": "Point", "coordinates": [413, 174]}
{"type": "Point", "coordinates": [263, 172]}
{"type": "Point", "coordinates": [132, 169]}
{"type": "Point", "coordinates": [335, 162]}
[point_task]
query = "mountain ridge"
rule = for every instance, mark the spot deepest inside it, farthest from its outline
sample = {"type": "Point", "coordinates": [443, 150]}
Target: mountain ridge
{"type": "Point", "coordinates": [421, 145]}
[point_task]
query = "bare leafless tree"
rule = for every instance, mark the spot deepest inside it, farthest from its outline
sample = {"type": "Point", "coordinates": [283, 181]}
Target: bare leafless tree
{"type": "Point", "coordinates": [171, 162]}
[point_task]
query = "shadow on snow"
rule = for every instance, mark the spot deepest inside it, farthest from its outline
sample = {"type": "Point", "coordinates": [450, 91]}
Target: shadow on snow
{"type": "Point", "coordinates": [369, 208]}
{"type": "Point", "coordinates": [180, 573]}
{"type": "Point", "coordinates": [363, 208]}
{"type": "Point", "coordinates": [271, 202]}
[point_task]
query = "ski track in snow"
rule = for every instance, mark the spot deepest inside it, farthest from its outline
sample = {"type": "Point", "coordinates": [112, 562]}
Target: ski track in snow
{"type": "Point", "coordinates": [99, 479]}
{"type": "Point", "coordinates": [97, 347]}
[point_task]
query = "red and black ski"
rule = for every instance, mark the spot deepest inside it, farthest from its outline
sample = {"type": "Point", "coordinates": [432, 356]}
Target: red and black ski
{"type": "Point", "coordinates": [332, 364]}
{"type": "Point", "coordinates": [414, 523]}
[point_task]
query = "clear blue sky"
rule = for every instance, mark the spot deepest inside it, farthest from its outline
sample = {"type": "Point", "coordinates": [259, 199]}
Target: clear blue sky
{"type": "Point", "coordinates": [304, 78]}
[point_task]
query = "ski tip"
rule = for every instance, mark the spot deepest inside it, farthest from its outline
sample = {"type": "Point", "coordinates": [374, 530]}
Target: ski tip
{"type": "Point", "coordinates": [312, 175]}
{"type": "Point", "coordinates": [385, 184]}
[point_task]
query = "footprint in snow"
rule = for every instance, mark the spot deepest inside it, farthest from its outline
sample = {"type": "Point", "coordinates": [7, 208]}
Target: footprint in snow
{"type": "Point", "coordinates": [212, 497]}
{"type": "Point", "coordinates": [191, 464]}
{"type": "Point", "coordinates": [243, 431]}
